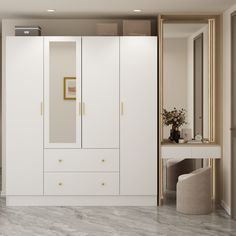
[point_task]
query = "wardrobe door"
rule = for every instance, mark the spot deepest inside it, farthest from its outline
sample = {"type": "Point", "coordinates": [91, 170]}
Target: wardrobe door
{"type": "Point", "coordinates": [100, 92]}
{"type": "Point", "coordinates": [138, 123]}
{"type": "Point", "coordinates": [24, 120]}
{"type": "Point", "coordinates": [62, 92]}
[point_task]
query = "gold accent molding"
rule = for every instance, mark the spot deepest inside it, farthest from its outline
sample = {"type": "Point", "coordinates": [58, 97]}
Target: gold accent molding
{"type": "Point", "coordinates": [211, 80]}
{"type": "Point", "coordinates": [160, 49]}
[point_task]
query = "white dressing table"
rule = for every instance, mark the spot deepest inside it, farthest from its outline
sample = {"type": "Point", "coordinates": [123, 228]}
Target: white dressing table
{"type": "Point", "coordinates": [210, 151]}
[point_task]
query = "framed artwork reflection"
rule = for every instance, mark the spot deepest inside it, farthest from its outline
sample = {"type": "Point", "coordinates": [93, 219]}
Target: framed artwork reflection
{"type": "Point", "coordinates": [69, 88]}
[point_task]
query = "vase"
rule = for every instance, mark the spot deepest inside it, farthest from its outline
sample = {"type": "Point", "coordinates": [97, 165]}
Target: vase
{"type": "Point", "coordinates": [174, 135]}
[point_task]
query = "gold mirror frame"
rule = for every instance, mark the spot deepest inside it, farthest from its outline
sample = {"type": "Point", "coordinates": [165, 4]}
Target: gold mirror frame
{"type": "Point", "coordinates": [211, 80]}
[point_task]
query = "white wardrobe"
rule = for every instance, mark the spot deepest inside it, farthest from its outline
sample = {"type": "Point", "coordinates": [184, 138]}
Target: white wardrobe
{"type": "Point", "coordinates": [81, 121]}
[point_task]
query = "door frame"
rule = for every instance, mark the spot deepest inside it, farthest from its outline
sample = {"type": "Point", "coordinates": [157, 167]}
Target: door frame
{"type": "Point", "coordinates": [47, 41]}
{"type": "Point", "coordinates": [200, 36]}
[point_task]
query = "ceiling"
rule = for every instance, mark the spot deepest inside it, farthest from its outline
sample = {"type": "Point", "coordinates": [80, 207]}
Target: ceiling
{"type": "Point", "coordinates": [181, 30]}
{"type": "Point", "coordinates": [107, 8]}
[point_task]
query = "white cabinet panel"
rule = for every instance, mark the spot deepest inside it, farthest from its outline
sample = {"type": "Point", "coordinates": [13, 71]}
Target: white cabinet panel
{"type": "Point", "coordinates": [81, 183]}
{"type": "Point", "coordinates": [100, 92]}
{"type": "Point", "coordinates": [24, 122]}
{"type": "Point", "coordinates": [138, 86]}
{"type": "Point", "coordinates": [103, 160]}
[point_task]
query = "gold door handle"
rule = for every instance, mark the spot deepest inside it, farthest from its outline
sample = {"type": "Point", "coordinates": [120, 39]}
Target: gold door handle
{"type": "Point", "coordinates": [122, 108]}
{"type": "Point", "coordinates": [79, 108]}
{"type": "Point", "coordinates": [41, 108]}
{"type": "Point", "coordinates": [83, 108]}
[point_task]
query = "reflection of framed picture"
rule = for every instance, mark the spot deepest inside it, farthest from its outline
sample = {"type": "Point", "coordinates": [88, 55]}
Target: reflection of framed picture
{"type": "Point", "coordinates": [69, 88]}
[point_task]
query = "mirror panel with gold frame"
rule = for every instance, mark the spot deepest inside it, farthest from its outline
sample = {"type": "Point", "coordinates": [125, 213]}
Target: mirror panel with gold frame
{"type": "Point", "coordinates": [186, 78]}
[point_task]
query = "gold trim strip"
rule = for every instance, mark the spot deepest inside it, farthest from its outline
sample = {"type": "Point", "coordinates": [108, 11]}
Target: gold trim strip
{"type": "Point", "coordinates": [211, 58]}
{"type": "Point", "coordinates": [41, 108]}
{"type": "Point", "coordinates": [160, 34]}
{"type": "Point", "coordinates": [122, 108]}
{"type": "Point", "coordinates": [79, 108]}
{"type": "Point", "coordinates": [83, 108]}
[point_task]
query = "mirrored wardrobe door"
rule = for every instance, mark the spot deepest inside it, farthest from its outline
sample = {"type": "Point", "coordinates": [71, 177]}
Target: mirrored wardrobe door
{"type": "Point", "coordinates": [62, 92]}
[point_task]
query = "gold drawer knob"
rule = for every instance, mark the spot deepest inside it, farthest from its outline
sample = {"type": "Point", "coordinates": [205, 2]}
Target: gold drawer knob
{"type": "Point", "coordinates": [60, 184]}
{"type": "Point", "coordinates": [60, 160]}
{"type": "Point", "coordinates": [103, 160]}
{"type": "Point", "coordinates": [103, 184]}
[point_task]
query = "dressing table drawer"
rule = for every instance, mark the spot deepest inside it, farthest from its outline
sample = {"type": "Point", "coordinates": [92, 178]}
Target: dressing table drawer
{"type": "Point", "coordinates": [81, 183]}
{"type": "Point", "coordinates": [206, 152]}
{"type": "Point", "coordinates": [100, 160]}
{"type": "Point", "coordinates": [175, 151]}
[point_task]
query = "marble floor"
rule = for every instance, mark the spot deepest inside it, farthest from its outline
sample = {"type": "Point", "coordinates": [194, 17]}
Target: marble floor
{"type": "Point", "coordinates": [110, 221]}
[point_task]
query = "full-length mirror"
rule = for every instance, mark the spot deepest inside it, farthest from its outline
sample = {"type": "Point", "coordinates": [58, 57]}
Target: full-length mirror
{"type": "Point", "coordinates": [187, 97]}
{"type": "Point", "coordinates": [185, 77]}
{"type": "Point", "coordinates": [62, 93]}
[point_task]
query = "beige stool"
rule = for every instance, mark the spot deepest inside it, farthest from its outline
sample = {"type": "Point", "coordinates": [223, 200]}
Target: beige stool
{"type": "Point", "coordinates": [194, 192]}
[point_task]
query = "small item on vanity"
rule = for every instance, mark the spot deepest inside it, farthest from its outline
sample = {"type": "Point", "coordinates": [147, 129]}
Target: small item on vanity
{"type": "Point", "coordinates": [181, 140]}
{"type": "Point", "coordinates": [186, 134]}
{"type": "Point", "coordinates": [206, 140]}
{"type": "Point", "coordinates": [174, 135]}
{"type": "Point", "coordinates": [176, 118]}
{"type": "Point", "coordinates": [194, 141]}
{"type": "Point", "coordinates": [198, 137]}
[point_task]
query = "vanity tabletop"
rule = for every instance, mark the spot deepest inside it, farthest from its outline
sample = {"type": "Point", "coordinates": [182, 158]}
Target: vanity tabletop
{"type": "Point", "coordinates": [165, 143]}
{"type": "Point", "coordinates": [190, 150]}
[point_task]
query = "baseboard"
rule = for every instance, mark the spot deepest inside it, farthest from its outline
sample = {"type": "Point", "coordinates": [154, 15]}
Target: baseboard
{"type": "Point", "coordinates": [226, 207]}
{"type": "Point", "coordinates": [81, 200]}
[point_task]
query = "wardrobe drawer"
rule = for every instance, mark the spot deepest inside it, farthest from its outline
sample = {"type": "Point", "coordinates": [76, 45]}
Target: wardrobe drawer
{"type": "Point", "coordinates": [81, 160]}
{"type": "Point", "coordinates": [81, 184]}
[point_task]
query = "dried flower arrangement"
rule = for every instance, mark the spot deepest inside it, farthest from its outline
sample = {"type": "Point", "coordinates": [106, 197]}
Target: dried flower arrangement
{"type": "Point", "coordinates": [175, 117]}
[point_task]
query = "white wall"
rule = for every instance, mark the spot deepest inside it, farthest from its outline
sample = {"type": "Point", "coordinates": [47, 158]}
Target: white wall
{"type": "Point", "coordinates": [226, 197]}
{"type": "Point", "coordinates": [175, 75]}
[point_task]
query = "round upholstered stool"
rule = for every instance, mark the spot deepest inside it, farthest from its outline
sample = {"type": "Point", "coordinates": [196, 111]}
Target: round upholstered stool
{"type": "Point", "coordinates": [194, 192]}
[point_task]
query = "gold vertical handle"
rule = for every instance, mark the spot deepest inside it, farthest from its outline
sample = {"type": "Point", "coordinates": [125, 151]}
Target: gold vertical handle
{"type": "Point", "coordinates": [79, 108]}
{"type": "Point", "coordinates": [83, 108]}
{"type": "Point", "coordinates": [41, 108]}
{"type": "Point", "coordinates": [122, 108]}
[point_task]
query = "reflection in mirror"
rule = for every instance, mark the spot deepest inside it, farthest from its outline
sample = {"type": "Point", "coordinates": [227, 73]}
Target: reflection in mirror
{"type": "Point", "coordinates": [185, 75]}
{"type": "Point", "coordinates": [185, 86]}
{"type": "Point", "coordinates": [62, 92]}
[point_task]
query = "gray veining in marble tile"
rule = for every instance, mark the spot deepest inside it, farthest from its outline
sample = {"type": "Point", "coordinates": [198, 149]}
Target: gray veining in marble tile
{"type": "Point", "coordinates": [110, 221]}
